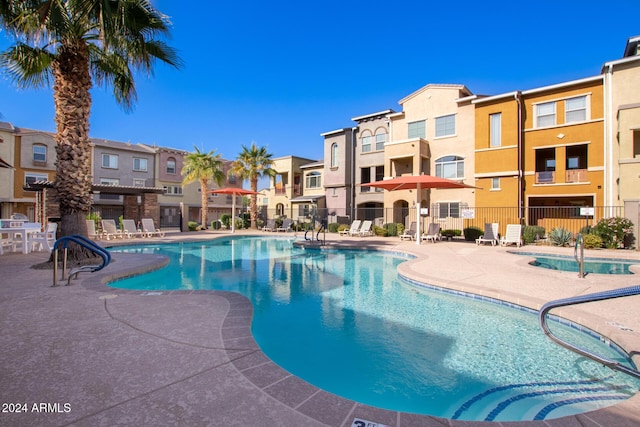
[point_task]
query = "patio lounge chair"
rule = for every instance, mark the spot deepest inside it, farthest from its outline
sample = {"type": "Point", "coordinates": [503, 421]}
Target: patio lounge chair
{"type": "Point", "coordinates": [44, 239]}
{"type": "Point", "coordinates": [365, 230]}
{"type": "Point", "coordinates": [353, 230]}
{"type": "Point", "coordinates": [409, 233]}
{"type": "Point", "coordinates": [91, 230]}
{"type": "Point", "coordinates": [490, 234]}
{"type": "Point", "coordinates": [149, 228]}
{"type": "Point", "coordinates": [270, 225]}
{"type": "Point", "coordinates": [110, 231]}
{"type": "Point", "coordinates": [432, 233]}
{"type": "Point", "coordinates": [286, 225]}
{"type": "Point", "coordinates": [513, 235]}
{"type": "Point", "coordinates": [130, 229]}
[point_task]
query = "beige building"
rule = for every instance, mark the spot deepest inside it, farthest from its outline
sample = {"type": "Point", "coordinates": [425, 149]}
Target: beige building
{"type": "Point", "coordinates": [6, 173]}
{"type": "Point", "coordinates": [432, 135]}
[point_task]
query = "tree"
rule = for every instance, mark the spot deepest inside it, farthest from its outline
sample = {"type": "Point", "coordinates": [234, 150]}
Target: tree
{"type": "Point", "coordinates": [252, 164]}
{"type": "Point", "coordinates": [202, 167]}
{"type": "Point", "coordinates": [73, 44]}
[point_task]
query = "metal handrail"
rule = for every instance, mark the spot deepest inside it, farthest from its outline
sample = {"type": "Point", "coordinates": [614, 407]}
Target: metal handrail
{"type": "Point", "coordinates": [84, 242]}
{"type": "Point", "coordinates": [579, 256]}
{"type": "Point", "coordinates": [599, 296]}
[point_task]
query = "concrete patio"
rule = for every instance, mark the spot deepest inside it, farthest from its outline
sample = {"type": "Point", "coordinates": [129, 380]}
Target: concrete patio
{"type": "Point", "coordinates": [97, 355]}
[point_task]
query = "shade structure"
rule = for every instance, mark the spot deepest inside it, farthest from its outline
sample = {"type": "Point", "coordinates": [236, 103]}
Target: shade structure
{"type": "Point", "coordinates": [417, 182]}
{"type": "Point", "coordinates": [4, 164]}
{"type": "Point", "coordinates": [234, 192]}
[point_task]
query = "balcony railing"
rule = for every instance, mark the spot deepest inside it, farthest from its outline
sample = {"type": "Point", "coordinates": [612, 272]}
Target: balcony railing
{"type": "Point", "coordinates": [545, 177]}
{"type": "Point", "coordinates": [576, 175]}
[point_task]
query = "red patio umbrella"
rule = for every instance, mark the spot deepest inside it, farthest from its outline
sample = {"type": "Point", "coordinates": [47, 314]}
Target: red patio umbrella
{"type": "Point", "coordinates": [234, 192]}
{"type": "Point", "coordinates": [417, 182]}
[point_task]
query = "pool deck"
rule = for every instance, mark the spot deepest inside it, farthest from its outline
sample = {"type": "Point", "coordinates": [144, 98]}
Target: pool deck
{"type": "Point", "coordinates": [88, 354]}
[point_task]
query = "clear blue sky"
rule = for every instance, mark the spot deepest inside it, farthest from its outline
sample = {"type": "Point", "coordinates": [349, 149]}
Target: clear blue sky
{"type": "Point", "coordinates": [281, 73]}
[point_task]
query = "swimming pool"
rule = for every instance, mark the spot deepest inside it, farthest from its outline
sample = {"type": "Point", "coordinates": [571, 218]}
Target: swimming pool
{"type": "Point", "coordinates": [591, 264]}
{"type": "Point", "coordinates": [344, 321]}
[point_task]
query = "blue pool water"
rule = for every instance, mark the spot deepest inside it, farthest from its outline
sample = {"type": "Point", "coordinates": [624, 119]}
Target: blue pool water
{"type": "Point", "coordinates": [345, 322]}
{"type": "Point", "coordinates": [591, 265]}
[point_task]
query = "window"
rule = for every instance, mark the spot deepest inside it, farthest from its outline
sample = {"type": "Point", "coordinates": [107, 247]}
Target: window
{"type": "Point", "coordinates": [40, 154]}
{"type": "Point", "coordinates": [446, 125]}
{"type": "Point", "coordinates": [314, 180]}
{"type": "Point", "coordinates": [450, 167]}
{"type": "Point", "coordinates": [576, 157]}
{"type": "Point", "coordinates": [495, 130]}
{"type": "Point", "coordinates": [365, 178]}
{"type": "Point", "coordinates": [109, 181]}
{"type": "Point", "coordinates": [139, 182]}
{"type": "Point", "coordinates": [366, 144]}
{"type": "Point", "coordinates": [30, 178]}
{"type": "Point", "coordinates": [139, 164]}
{"type": "Point", "coordinates": [232, 179]}
{"type": "Point", "coordinates": [495, 183]}
{"type": "Point", "coordinates": [173, 190]}
{"type": "Point", "coordinates": [381, 138]}
{"type": "Point", "coordinates": [334, 155]}
{"type": "Point", "coordinates": [110, 161]}
{"type": "Point", "coordinates": [546, 114]}
{"type": "Point", "coordinates": [447, 209]}
{"type": "Point", "coordinates": [575, 109]}
{"type": "Point", "coordinates": [417, 129]}
{"type": "Point", "coordinates": [171, 166]}
{"type": "Point", "coordinates": [636, 143]}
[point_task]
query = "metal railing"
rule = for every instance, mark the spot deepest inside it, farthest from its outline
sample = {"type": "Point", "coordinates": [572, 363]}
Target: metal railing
{"type": "Point", "coordinates": [578, 254]}
{"type": "Point", "coordinates": [85, 243]}
{"type": "Point", "coordinates": [599, 296]}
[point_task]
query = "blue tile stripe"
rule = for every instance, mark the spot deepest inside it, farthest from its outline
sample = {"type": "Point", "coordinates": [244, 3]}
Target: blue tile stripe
{"type": "Point", "coordinates": [466, 405]}
{"type": "Point", "coordinates": [547, 409]}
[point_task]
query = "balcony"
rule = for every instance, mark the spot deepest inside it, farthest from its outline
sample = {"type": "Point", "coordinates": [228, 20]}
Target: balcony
{"type": "Point", "coordinates": [576, 175]}
{"type": "Point", "coordinates": [281, 190]}
{"type": "Point", "coordinates": [545, 177]}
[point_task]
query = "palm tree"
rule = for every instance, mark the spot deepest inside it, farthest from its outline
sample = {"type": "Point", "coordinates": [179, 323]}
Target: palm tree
{"type": "Point", "coordinates": [202, 167]}
{"type": "Point", "coordinates": [252, 164]}
{"type": "Point", "coordinates": [73, 44]}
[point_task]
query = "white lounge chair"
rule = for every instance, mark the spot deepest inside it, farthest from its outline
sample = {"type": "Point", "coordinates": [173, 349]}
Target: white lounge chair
{"type": "Point", "coordinates": [432, 233]}
{"type": "Point", "coordinates": [513, 235]}
{"type": "Point", "coordinates": [409, 233]}
{"type": "Point", "coordinates": [130, 229]}
{"type": "Point", "coordinates": [110, 231]}
{"type": "Point", "coordinates": [286, 225]}
{"type": "Point", "coordinates": [353, 230]}
{"type": "Point", "coordinates": [44, 239]}
{"type": "Point", "coordinates": [270, 225]}
{"type": "Point", "coordinates": [365, 230]}
{"type": "Point", "coordinates": [150, 228]}
{"type": "Point", "coordinates": [91, 230]}
{"type": "Point", "coordinates": [490, 234]}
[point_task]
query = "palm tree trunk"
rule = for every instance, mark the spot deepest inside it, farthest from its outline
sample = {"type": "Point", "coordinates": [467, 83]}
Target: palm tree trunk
{"type": "Point", "coordinates": [253, 203]}
{"type": "Point", "coordinates": [204, 202]}
{"type": "Point", "coordinates": [72, 99]}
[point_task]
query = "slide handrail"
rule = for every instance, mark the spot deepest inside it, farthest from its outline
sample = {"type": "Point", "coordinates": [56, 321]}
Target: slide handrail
{"type": "Point", "coordinates": [85, 243]}
{"type": "Point", "coordinates": [598, 296]}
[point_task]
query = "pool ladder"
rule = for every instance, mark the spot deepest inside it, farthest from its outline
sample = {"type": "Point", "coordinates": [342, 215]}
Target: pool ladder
{"type": "Point", "coordinates": [599, 296]}
{"type": "Point", "coordinates": [578, 254]}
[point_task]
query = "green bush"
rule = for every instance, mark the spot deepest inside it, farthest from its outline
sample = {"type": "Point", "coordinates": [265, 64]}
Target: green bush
{"type": "Point", "coordinates": [343, 227]}
{"type": "Point", "coordinates": [592, 241]}
{"type": "Point", "coordinates": [451, 233]}
{"type": "Point", "coordinates": [333, 227]}
{"type": "Point", "coordinates": [95, 216]}
{"type": "Point", "coordinates": [193, 226]}
{"type": "Point", "coordinates": [613, 230]}
{"type": "Point", "coordinates": [560, 237]}
{"type": "Point", "coordinates": [531, 233]}
{"type": "Point", "coordinates": [391, 228]}
{"type": "Point", "coordinates": [401, 228]}
{"type": "Point", "coordinates": [472, 233]}
{"type": "Point", "coordinates": [226, 220]}
{"type": "Point", "coordinates": [379, 231]}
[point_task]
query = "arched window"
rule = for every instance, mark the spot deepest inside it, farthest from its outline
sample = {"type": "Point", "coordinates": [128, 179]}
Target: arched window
{"type": "Point", "coordinates": [381, 138]}
{"type": "Point", "coordinates": [334, 155]}
{"type": "Point", "coordinates": [171, 165]}
{"type": "Point", "coordinates": [451, 167]}
{"type": "Point", "coordinates": [366, 141]}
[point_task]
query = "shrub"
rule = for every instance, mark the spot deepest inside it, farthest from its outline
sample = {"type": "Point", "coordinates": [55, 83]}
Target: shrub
{"type": "Point", "coordinates": [613, 230]}
{"type": "Point", "coordinates": [560, 236]}
{"type": "Point", "coordinates": [333, 227]}
{"type": "Point", "coordinates": [587, 229]}
{"type": "Point", "coordinates": [379, 231]}
{"type": "Point", "coordinates": [401, 228]}
{"type": "Point", "coordinates": [226, 220]}
{"type": "Point", "coordinates": [592, 241]}
{"type": "Point", "coordinates": [531, 233]}
{"type": "Point", "coordinates": [215, 224]}
{"type": "Point", "coordinates": [472, 233]}
{"type": "Point", "coordinates": [193, 226]}
{"type": "Point", "coordinates": [95, 216]}
{"type": "Point", "coordinates": [451, 232]}
{"type": "Point", "coordinates": [391, 229]}
{"type": "Point", "coordinates": [343, 227]}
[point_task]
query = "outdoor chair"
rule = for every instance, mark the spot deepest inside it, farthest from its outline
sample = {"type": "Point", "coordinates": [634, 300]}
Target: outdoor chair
{"type": "Point", "coordinates": [149, 228]}
{"type": "Point", "coordinates": [91, 230]}
{"type": "Point", "coordinates": [270, 225]}
{"type": "Point", "coordinates": [7, 243]}
{"type": "Point", "coordinates": [409, 233]}
{"type": "Point", "coordinates": [432, 233]}
{"type": "Point", "coordinates": [490, 234]}
{"type": "Point", "coordinates": [353, 230]}
{"type": "Point", "coordinates": [365, 230]}
{"type": "Point", "coordinates": [110, 231]}
{"type": "Point", "coordinates": [286, 225]}
{"type": "Point", "coordinates": [130, 229]}
{"type": "Point", "coordinates": [44, 239]}
{"type": "Point", "coordinates": [513, 235]}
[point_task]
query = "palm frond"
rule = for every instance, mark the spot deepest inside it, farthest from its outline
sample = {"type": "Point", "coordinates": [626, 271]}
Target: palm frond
{"type": "Point", "coordinates": [27, 66]}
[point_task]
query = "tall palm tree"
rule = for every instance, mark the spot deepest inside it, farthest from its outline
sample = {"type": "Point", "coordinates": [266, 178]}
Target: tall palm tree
{"type": "Point", "coordinates": [253, 163]}
{"type": "Point", "coordinates": [202, 167]}
{"type": "Point", "coordinates": [74, 43]}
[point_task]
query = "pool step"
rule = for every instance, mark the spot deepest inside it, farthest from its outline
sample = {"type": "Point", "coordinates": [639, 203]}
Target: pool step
{"type": "Point", "coordinates": [539, 401]}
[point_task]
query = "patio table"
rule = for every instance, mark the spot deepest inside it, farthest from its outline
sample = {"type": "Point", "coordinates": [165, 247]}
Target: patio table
{"type": "Point", "coordinates": [27, 228]}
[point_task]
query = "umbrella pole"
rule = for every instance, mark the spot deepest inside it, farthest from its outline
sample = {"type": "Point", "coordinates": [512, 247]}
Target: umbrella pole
{"type": "Point", "coordinates": [233, 214]}
{"type": "Point", "coordinates": [418, 217]}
